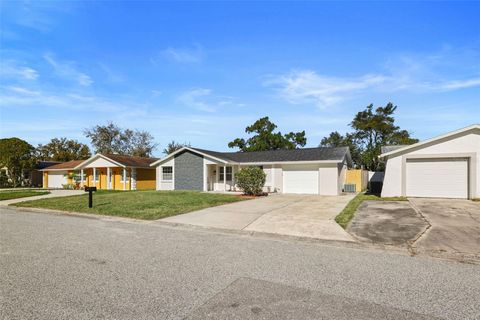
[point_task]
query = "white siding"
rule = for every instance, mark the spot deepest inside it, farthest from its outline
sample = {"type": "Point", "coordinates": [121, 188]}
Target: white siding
{"type": "Point", "coordinates": [328, 180]}
{"type": "Point", "coordinates": [161, 184]}
{"type": "Point", "coordinates": [100, 163]}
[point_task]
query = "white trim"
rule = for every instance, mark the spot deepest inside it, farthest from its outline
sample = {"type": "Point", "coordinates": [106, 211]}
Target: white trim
{"type": "Point", "coordinates": [124, 175]}
{"type": "Point", "coordinates": [291, 162]}
{"type": "Point", "coordinates": [109, 178]}
{"type": "Point", "coordinates": [96, 156]}
{"type": "Point", "coordinates": [183, 149]}
{"type": "Point", "coordinates": [421, 143]}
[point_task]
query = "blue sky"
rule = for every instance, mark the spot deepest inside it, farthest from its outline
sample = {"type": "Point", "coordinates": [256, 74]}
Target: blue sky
{"type": "Point", "coordinates": [202, 71]}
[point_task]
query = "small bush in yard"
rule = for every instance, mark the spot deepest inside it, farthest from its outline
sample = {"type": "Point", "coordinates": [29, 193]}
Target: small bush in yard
{"type": "Point", "coordinates": [251, 180]}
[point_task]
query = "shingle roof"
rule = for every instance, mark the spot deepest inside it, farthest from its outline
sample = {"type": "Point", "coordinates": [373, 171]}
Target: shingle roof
{"type": "Point", "coordinates": [65, 165]}
{"type": "Point", "coordinates": [386, 149]}
{"type": "Point", "coordinates": [305, 154]}
{"type": "Point", "coordinates": [46, 164]}
{"type": "Point", "coordinates": [131, 161]}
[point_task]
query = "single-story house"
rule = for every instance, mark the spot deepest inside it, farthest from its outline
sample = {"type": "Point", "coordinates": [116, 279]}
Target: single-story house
{"type": "Point", "coordinates": [310, 170]}
{"type": "Point", "coordinates": [447, 166]}
{"type": "Point", "coordinates": [104, 171]}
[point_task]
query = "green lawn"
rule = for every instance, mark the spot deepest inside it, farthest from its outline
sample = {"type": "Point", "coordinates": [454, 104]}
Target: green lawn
{"type": "Point", "coordinates": [148, 205]}
{"type": "Point", "coordinates": [14, 194]}
{"type": "Point", "coordinates": [348, 212]}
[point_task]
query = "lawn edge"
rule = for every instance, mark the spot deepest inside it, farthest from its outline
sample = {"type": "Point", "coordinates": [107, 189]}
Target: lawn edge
{"type": "Point", "coordinates": [348, 212]}
{"type": "Point", "coordinates": [39, 193]}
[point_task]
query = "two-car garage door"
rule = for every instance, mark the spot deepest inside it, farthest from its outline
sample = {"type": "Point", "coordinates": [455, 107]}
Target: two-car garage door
{"type": "Point", "coordinates": [442, 178]}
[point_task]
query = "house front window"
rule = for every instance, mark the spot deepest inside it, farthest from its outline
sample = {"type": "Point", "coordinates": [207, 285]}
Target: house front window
{"type": "Point", "coordinates": [229, 174]}
{"type": "Point", "coordinates": [96, 176]}
{"type": "Point", "coordinates": [167, 173]}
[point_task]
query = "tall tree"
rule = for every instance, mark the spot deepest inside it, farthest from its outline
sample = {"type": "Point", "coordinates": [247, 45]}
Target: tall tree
{"type": "Point", "coordinates": [62, 149]}
{"type": "Point", "coordinates": [174, 146]}
{"type": "Point", "coordinates": [17, 156]}
{"type": "Point", "coordinates": [376, 128]}
{"type": "Point", "coordinates": [111, 138]}
{"type": "Point", "coordinates": [265, 138]}
{"type": "Point", "coordinates": [335, 139]}
{"type": "Point", "coordinates": [373, 128]}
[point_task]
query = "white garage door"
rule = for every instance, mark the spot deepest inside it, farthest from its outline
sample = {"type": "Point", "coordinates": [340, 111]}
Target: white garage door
{"type": "Point", "coordinates": [300, 179]}
{"type": "Point", "coordinates": [442, 178]}
{"type": "Point", "coordinates": [56, 179]}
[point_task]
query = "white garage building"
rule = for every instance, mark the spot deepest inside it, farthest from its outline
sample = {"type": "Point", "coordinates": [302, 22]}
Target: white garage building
{"type": "Point", "coordinates": [447, 166]}
{"type": "Point", "coordinates": [306, 171]}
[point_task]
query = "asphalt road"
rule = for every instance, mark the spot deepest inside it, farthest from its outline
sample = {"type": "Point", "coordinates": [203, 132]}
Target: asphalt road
{"type": "Point", "coordinates": [65, 267]}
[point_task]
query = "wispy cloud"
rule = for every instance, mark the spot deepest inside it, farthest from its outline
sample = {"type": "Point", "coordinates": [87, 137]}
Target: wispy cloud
{"type": "Point", "coordinates": [195, 98]}
{"type": "Point", "coordinates": [306, 86]}
{"type": "Point", "coordinates": [182, 55]}
{"type": "Point", "coordinates": [203, 99]}
{"type": "Point", "coordinates": [36, 15]}
{"type": "Point", "coordinates": [406, 73]}
{"type": "Point", "coordinates": [12, 69]}
{"type": "Point", "coordinates": [67, 70]}
{"type": "Point", "coordinates": [20, 97]}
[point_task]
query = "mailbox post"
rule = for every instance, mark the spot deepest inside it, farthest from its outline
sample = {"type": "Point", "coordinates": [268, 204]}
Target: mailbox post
{"type": "Point", "coordinates": [90, 195]}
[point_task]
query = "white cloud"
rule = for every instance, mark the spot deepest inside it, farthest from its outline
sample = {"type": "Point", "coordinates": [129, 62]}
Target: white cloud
{"type": "Point", "coordinates": [445, 71]}
{"type": "Point", "coordinates": [68, 71]}
{"type": "Point", "coordinates": [195, 98]}
{"type": "Point", "coordinates": [203, 99]}
{"type": "Point", "coordinates": [307, 86]}
{"type": "Point", "coordinates": [20, 97]}
{"type": "Point", "coordinates": [183, 55]}
{"type": "Point", "coordinates": [14, 70]}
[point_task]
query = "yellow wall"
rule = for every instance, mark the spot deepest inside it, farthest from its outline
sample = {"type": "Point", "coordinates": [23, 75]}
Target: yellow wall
{"type": "Point", "coordinates": [358, 178]}
{"type": "Point", "coordinates": [117, 179]}
{"type": "Point", "coordinates": [45, 179]}
{"type": "Point", "coordinates": [146, 179]}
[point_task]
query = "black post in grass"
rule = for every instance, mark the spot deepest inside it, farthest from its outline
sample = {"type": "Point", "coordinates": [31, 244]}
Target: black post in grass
{"type": "Point", "coordinates": [90, 195]}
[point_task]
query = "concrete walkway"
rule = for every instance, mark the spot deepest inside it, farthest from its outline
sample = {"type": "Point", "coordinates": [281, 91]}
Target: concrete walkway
{"type": "Point", "coordinates": [52, 194]}
{"type": "Point", "coordinates": [295, 215]}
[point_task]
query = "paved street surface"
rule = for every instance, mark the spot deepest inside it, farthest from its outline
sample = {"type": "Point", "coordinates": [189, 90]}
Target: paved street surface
{"type": "Point", "coordinates": [285, 214]}
{"type": "Point", "coordinates": [66, 267]}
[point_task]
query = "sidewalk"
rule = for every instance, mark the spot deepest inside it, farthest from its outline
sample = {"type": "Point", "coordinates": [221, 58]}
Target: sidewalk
{"type": "Point", "coordinates": [52, 194]}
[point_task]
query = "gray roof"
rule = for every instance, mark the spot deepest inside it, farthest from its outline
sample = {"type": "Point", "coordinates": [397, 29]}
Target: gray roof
{"type": "Point", "coordinates": [305, 154]}
{"type": "Point", "coordinates": [386, 149]}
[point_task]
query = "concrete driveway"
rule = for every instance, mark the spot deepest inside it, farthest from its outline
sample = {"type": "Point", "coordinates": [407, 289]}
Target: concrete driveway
{"type": "Point", "coordinates": [295, 215]}
{"type": "Point", "coordinates": [455, 226]}
{"type": "Point", "coordinates": [445, 227]}
{"type": "Point", "coordinates": [52, 194]}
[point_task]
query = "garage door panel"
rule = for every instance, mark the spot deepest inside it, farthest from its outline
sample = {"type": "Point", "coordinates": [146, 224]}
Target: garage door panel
{"type": "Point", "coordinates": [300, 179]}
{"type": "Point", "coordinates": [442, 178]}
{"type": "Point", "coordinates": [57, 179]}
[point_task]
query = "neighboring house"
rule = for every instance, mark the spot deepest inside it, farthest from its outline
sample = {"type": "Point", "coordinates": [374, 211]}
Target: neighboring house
{"type": "Point", "coordinates": [32, 177]}
{"type": "Point", "coordinates": [447, 166]}
{"type": "Point", "coordinates": [310, 170]}
{"type": "Point", "coordinates": [109, 171]}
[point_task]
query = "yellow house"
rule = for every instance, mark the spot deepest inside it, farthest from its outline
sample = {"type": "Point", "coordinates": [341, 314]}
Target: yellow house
{"type": "Point", "coordinates": [104, 171]}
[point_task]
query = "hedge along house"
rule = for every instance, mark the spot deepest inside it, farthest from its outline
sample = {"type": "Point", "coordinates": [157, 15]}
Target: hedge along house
{"type": "Point", "coordinates": [306, 171]}
{"type": "Point", "coordinates": [109, 172]}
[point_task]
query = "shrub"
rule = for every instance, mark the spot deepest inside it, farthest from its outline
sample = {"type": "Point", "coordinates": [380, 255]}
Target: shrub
{"type": "Point", "coordinates": [251, 180]}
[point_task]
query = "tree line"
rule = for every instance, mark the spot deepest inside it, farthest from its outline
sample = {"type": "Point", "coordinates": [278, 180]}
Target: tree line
{"type": "Point", "coordinates": [372, 128]}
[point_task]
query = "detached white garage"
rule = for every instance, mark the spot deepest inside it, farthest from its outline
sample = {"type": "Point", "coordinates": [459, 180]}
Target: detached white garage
{"type": "Point", "coordinates": [443, 167]}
